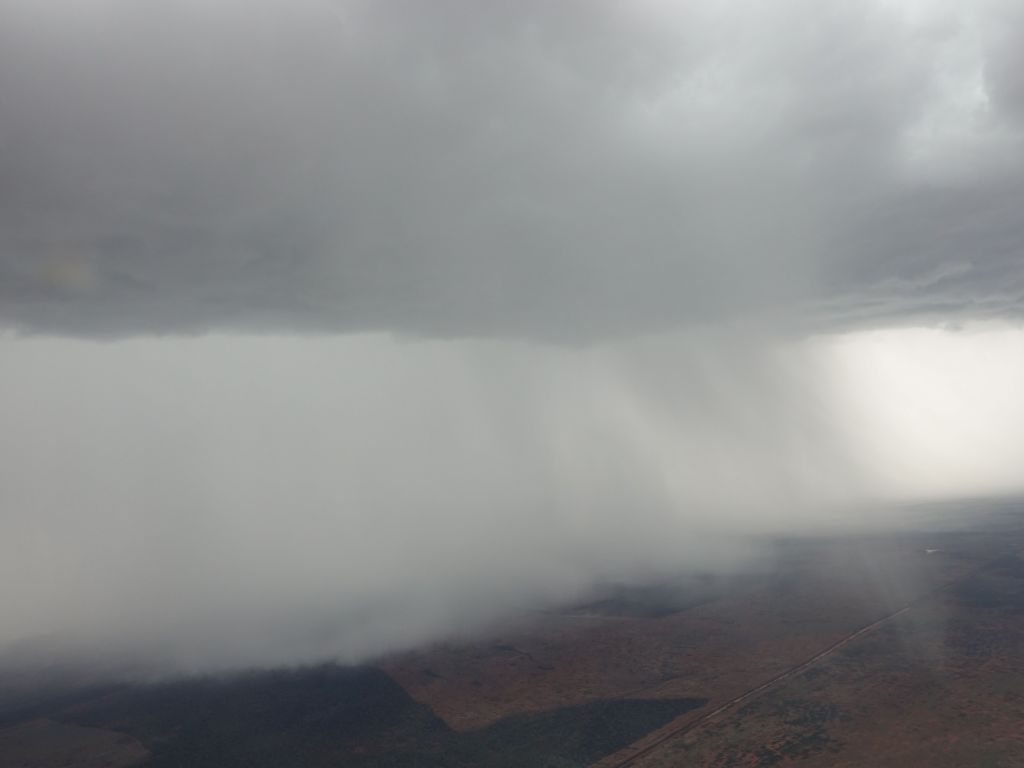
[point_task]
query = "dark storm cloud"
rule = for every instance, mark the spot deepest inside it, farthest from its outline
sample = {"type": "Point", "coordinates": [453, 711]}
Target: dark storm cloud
{"type": "Point", "coordinates": [696, 190]}
{"type": "Point", "coordinates": [550, 170]}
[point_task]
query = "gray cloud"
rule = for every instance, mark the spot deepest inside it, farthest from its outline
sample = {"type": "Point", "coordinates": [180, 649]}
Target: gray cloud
{"type": "Point", "coordinates": [570, 171]}
{"type": "Point", "coordinates": [685, 193]}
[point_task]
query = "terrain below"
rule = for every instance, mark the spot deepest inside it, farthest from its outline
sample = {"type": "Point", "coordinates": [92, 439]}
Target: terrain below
{"type": "Point", "coordinates": [904, 649]}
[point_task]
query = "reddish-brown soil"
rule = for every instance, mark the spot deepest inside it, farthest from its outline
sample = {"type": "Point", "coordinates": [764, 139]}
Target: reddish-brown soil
{"type": "Point", "coordinates": [876, 692]}
{"type": "Point", "coordinates": [941, 684]}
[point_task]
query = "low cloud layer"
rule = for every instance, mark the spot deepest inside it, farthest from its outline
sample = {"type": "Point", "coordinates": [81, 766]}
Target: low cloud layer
{"type": "Point", "coordinates": [566, 171]}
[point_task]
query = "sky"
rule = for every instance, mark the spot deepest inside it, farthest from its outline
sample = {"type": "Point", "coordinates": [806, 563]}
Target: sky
{"type": "Point", "coordinates": [334, 327]}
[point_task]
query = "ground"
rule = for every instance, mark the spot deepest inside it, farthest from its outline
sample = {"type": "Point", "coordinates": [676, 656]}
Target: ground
{"type": "Point", "coordinates": [897, 649]}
